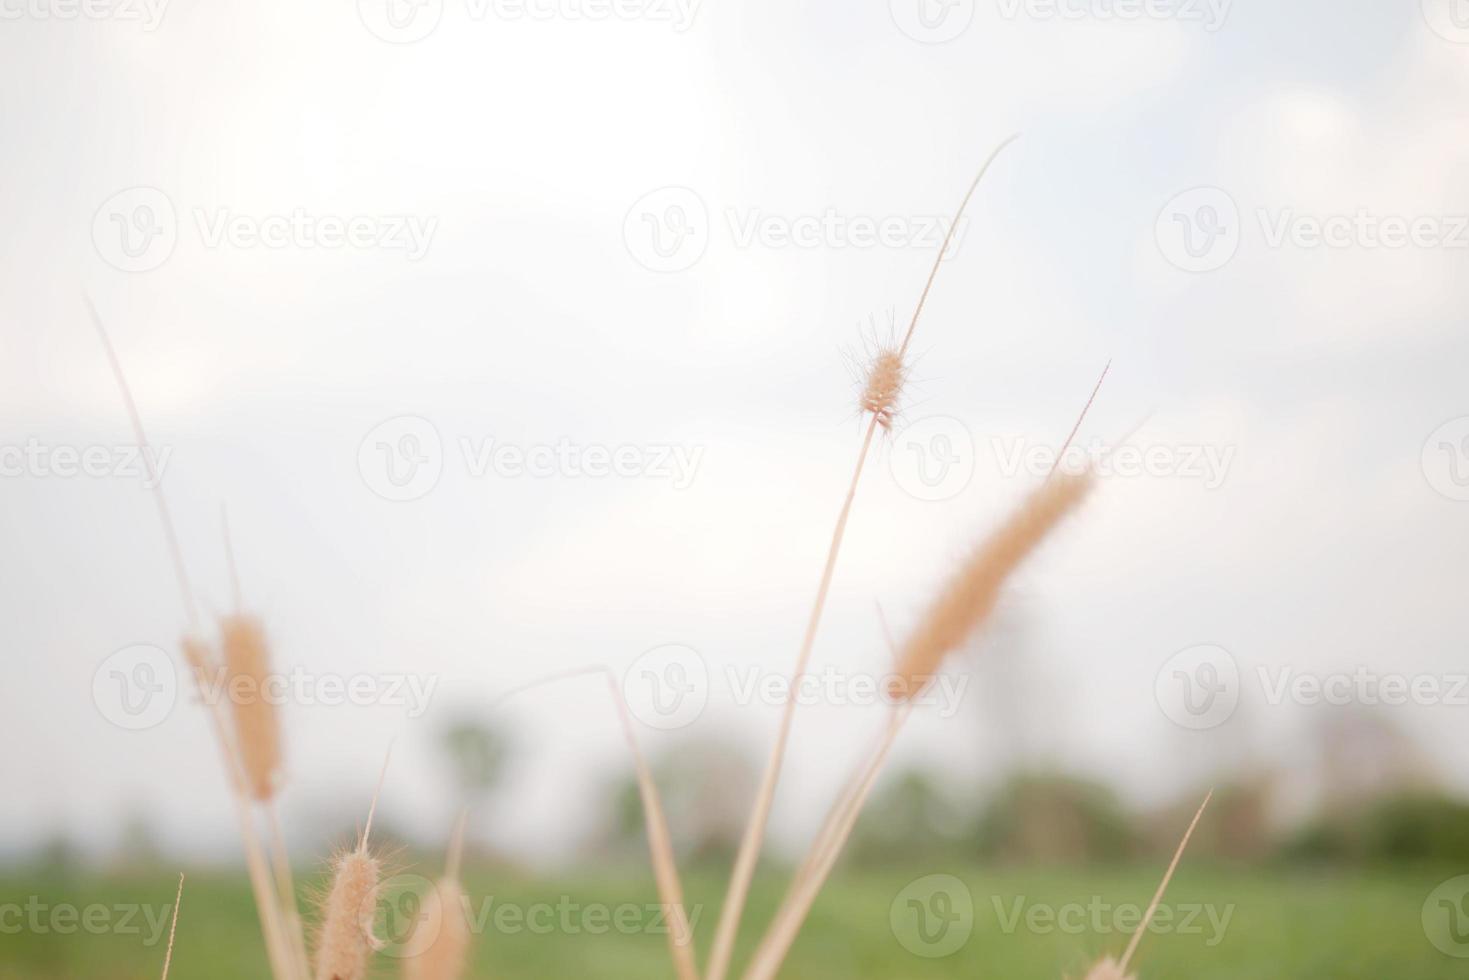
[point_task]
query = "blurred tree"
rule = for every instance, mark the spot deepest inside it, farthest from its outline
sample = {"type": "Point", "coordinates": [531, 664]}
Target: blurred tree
{"type": "Point", "coordinates": [1417, 827]}
{"type": "Point", "coordinates": [476, 755]}
{"type": "Point", "coordinates": [908, 818]}
{"type": "Point", "coordinates": [706, 786]}
{"type": "Point", "coordinates": [1051, 818]}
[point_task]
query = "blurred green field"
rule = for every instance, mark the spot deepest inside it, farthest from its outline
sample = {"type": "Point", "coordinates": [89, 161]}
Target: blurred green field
{"type": "Point", "coordinates": [1045, 923]}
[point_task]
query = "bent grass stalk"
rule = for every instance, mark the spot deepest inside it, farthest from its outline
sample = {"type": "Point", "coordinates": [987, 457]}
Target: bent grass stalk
{"type": "Point", "coordinates": [197, 655]}
{"type": "Point", "coordinates": [879, 398]}
{"type": "Point", "coordinates": [660, 841]}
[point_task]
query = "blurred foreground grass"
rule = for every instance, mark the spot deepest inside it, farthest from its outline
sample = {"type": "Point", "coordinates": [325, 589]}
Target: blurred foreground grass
{"type": "Point", "coordinates": [1031, 923]}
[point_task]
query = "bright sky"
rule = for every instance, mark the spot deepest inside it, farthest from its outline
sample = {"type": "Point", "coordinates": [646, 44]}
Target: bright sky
{"type": "Point", "coordinates": [521, 242]}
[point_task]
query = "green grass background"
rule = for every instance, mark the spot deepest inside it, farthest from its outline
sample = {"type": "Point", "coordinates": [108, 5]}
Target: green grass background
{"type": "Point", "coordinates": [1359, 925]}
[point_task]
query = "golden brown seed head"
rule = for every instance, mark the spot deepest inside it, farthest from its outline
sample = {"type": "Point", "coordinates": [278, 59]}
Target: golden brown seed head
{"type": "Point", "coordinates": [346, 941]}
{"type": "Point", "coordinates": [445, 935]}
{"type": "Point", "coordinates": [1108, 969]}
{"type": "Point", "coordinates": [970, 595]}
{"type": "Point", "coordinates": [884, 385]}
{"type": "Point", "coordinates": [257, 724]}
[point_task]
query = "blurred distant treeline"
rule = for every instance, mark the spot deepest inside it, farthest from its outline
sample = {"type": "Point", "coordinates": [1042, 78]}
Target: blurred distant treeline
{"type": "Point", "coordinates": [1374, 801]}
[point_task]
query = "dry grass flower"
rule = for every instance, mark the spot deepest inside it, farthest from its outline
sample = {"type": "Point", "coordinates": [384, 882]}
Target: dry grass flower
{"type": "Point", "coordinates": [257, 724]}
